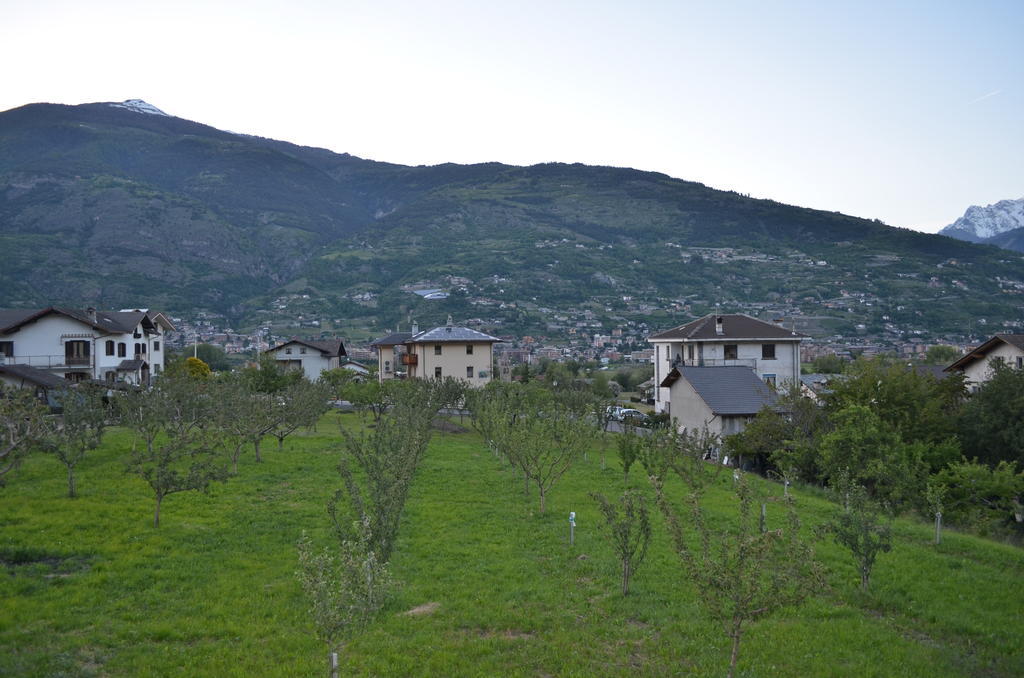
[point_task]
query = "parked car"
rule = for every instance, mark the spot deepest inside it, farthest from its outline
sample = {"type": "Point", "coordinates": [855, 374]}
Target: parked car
{"type": "Point", "coordinates": [634, 417]}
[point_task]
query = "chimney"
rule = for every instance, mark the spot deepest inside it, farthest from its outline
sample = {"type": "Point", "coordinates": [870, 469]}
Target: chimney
{"type": "Point", "coordinates": [91, 314]}
{"type": "Point", "coordinates": [719, 325]}
{"type": "Point", "coordinates": [415, 328]}
{"type": "Point", "coordinates": [449, 320]}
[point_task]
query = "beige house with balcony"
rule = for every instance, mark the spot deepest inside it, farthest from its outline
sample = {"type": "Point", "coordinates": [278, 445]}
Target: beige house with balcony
{"type": "Point", "coordinates": [770, 350]}
{"type": "Point", "coordinates": [446, 351]}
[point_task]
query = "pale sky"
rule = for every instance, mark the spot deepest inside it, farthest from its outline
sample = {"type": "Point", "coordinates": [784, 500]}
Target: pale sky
{"type": "Point", "coordinates": [904, 111]}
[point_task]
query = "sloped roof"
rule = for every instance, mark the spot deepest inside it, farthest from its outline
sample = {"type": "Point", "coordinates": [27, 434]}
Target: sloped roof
{"type": "Point", "coordinates": [979, 353]}
{"type": "Point", "coordinates": [105, 321]}
{"type": "Point", "coordinates": [726, 390]}
{"type": "Point", "coordinates": [734, 326]}
{"type": "Point", "coordinates": [331, 347]}
{"type": "Point", "coordinates": [451, 333]}
{"type": "Point", "coordinates": [34, 376]}
{"type": "Point", "coordinates": [131, 365]}
{"type": "Point", "coordinates": [392, 339]}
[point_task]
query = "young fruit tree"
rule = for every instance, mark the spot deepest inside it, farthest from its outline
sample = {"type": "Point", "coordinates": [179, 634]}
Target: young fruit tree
{"type": "Point", "coordinates": [345, 587]}
{"type": "Point", "coordinates": [180, 461]}
{"type": "Point", "coordinates": [298, 405]}
{"type": "Point", "coordinates": [83, 419]}
{"type": "Point", "coordinates": [741, 572]}
{"type": "Point", "coordinates": [547, 444]}
{"type": "Point", "coordinates": [859, 525]}
{"type": "Point", "coordinates": [388, 458]}
{"type": "Point", "coordinates": [629, 530]}
{"type": "Point", "coordinates": [23, 424]}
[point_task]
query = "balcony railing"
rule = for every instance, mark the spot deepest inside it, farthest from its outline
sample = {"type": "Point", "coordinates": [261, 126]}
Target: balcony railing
{"type": "Point", "coordinates": [718, 362]}
{"type": "Point", "coordinates": [47, 361]}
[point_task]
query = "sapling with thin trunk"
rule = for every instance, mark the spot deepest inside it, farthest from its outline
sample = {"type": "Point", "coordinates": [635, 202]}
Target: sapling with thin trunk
{"type": "Point", "coordinates": [629, 528]}
{"type": "Point", "coordinates": [741, 573]}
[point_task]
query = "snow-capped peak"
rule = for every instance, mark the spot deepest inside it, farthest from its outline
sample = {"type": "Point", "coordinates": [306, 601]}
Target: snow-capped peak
{"type": "Point", "coordinates": [140, 106]}
{"type": "Point", "coordinates": [991, 220]}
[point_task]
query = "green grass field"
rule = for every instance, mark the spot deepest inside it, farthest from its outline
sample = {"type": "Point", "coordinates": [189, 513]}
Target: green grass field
{"type": "Point", "coordinates": [90, 588]}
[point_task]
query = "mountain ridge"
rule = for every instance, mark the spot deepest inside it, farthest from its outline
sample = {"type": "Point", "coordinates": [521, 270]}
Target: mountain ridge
{"type": "Point", "coordinates": [190, 217]}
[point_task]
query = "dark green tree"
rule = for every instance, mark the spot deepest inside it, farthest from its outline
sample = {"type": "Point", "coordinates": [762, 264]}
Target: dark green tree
{"type": "Point", "coordinates": [991, 426]}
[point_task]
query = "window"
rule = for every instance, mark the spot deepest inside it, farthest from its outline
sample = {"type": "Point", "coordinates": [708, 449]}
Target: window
{"type": "Point", "coordinates": [302, 350]}
{"type": "Point", "coordinates": [110, 346]}
{"type": "Point", "coordinates": [437, 373]}
{"type": "Point", "coordinates": [689, 352]}
{"type": "Point", "coordinates": [469, 372]}
{"type": "Point", "coordinates": [138, 349]}
{"type": "Point", "coordinates": [122, 349]}
{"type": "Point", "coordinates": [156, 346]}
{"type": "Point", "coordinates": [1020, 362]}
{"type": "Point", "coordinates": [143, 347]}
{"type": "Point", "coordinates": [437, 349]}
{"type": "Point", "coordinates": [288, 351]}
{"type": "Point", "coordinates": [469, 349]}
{"type": "Point", "coordinates": [7, 348]}
{"type": "Point", "coordinates": [767, 351]}
{"type": "Point", "coordinates": [731, 351]}
{"type": "Point", "coordinates": [76, 352]}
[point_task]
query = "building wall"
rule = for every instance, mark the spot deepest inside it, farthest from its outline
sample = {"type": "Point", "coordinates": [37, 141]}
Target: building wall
{"type": "Point", "coordinates": [785, 366]}
{"type": "Point", "coordinates": [313, 362]}
{"type": "Point", "coordinates": [41, 345]}
{"type": "Point", "coordinates": [454, 361]}
{"type": "Point", "coordinates": [980, 371]}
{"type": "Point", "coordinates": [688, 410]}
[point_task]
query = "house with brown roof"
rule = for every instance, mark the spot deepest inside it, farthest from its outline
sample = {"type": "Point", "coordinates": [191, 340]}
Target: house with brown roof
{"type": "Point", "coordinates": [445, 351]}
{"type": "Point", "coordinates": [977, 364]}
{"type": "Point", "coordinates": [312, 357]}
{"type": "Point", "coordinates": [769, 350]}
{"type": "Point", "coordinates": [114, 346]}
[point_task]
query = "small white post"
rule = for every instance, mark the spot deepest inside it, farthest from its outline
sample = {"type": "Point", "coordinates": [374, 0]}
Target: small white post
{"type": "Point", "coordinates": [572, 528]}
{"type": "Point", "coordinates": [334, 664]}
{"type": "Point", "coordinates": [785, 487]}
{"type": "Point", "coordinates": [938, 527]}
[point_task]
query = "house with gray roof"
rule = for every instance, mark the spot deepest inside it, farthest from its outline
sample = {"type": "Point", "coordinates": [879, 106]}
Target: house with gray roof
{"type": "Point", "coordinates": [770, 350]}
{"type": "Point", "coordinates": [312, 357]}
{"type": "Point", "coordinates": [79, 345]}
{"type": "Point", "coordinates": [721, 400]}
{"type": "Point", "coordinates": [445, 351]}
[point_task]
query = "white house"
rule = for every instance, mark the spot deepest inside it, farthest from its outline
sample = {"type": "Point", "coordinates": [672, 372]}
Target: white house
{"type": "Point", "coordinates": [720, 340]}
{"type": "Point", "coordinates": [976, 366]}
{"type": "Point", "coordinates": [312, 357]}
{"type": "Point", "coordinates": [126, 345]}
{"type": "Point", "coordinates": [720, 400]}
{"type": "Point", "coordinates": [446, 351]}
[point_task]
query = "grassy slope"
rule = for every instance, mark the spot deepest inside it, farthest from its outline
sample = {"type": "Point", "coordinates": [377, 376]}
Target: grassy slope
{"type": "Point", "coordinates": [212, 592]}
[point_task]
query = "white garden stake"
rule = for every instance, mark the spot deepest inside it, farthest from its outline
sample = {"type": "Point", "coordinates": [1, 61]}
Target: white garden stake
{"type": "Point", "coordinates": [572, 528]}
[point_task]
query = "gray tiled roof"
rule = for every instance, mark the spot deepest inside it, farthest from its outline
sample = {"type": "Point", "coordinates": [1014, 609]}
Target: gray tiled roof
{"type": "Point", "coordinates": [332, 347]}
{"type": "Point", "coordinates": [450, 333]}
{"type": "Point", "coordinates": [34, 376]}
{"type": "Point", "coordinates": [105, 321]}
{"type": "Point", "coordinates": [734, 326]}
{"type": "Point", "coordinates": [726, 390]}
{"type": "Point", "coordinates": [392, 339]}
{"type": "Point", "coordinates": [131, 365]}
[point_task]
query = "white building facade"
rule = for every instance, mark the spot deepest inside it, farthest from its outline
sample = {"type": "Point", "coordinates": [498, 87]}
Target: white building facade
{"type": "Point", "coordinates": [726, 340]}
{"type": "Point", "coordinates": [312, 357]}
{"type": "Point", "coordinates": [113, 346]}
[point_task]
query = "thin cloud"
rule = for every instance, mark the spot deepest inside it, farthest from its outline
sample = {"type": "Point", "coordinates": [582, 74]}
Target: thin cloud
{"type": "Point", "coordinates": [985, 96]}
